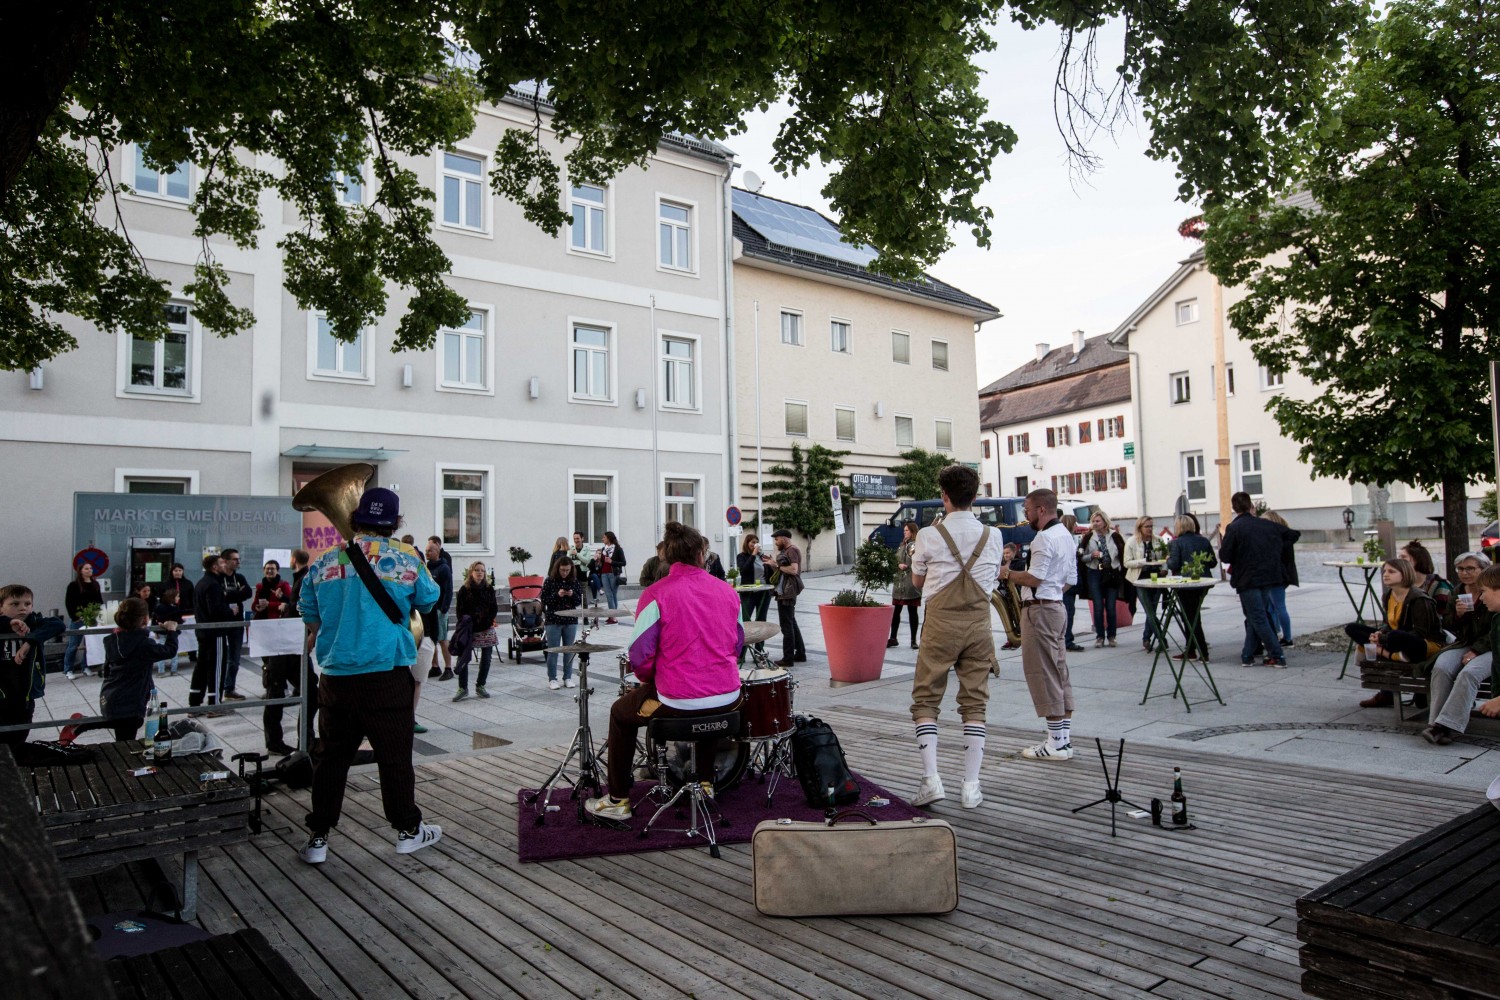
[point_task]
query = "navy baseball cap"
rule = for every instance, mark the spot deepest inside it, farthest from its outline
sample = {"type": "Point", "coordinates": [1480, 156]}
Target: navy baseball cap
{"type": "Point", "coordinates": [781, 533]}
{"type": "Point", "coordinates": [378, 507]}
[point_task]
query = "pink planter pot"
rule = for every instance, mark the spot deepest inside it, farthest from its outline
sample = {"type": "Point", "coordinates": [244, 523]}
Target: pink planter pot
{"type": "Point", "coordinates": [855, 639]}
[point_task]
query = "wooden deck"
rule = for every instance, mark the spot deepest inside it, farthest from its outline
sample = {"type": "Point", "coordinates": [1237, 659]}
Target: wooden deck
{"type": "Point", "coordinates": [1051, 906]}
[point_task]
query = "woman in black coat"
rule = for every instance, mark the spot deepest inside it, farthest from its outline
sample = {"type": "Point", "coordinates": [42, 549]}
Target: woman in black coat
{"type": "Point", "coordinates": [755, 605]}
{"type": "Point", "coordinates": [1188, 543]}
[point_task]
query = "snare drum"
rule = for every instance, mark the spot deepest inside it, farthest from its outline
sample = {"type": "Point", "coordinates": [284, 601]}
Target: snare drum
{"type": "Point", "coordinates": [628, 680]}
{"type": "Point", "coordinates": [767, 710]}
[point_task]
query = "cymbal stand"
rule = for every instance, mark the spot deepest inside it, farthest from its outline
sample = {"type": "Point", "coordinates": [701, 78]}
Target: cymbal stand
{"type": "Point", "coordinates": [581, 747]}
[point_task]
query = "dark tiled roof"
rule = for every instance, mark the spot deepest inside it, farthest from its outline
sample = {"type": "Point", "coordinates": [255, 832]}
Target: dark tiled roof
{"type": "Point", "coordinates": [1059, 363]}
{"type": "Point", "coordinates": [757, 246]}
{"type": "Point", "coordinates": [534, 93]}
{"type": "Point", "coordinates": [1078, 392]}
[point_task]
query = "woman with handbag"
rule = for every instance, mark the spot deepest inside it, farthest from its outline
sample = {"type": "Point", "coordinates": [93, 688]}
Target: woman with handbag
{"type": "Point", "coordinates": [903, 593]}
{"type": "Point", "coordinates": [1103, 553]}
{"type": "Point", "coordinates": [609, 563]}
{"type": "Point", "coordinates": [1143, 554]}
{"type": "Point", "coordinates": [477, 602]}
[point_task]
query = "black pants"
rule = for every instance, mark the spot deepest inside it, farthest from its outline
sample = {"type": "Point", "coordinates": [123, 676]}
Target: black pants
{"type": "Point", "coordinates": [208, 672]}
{"type": "Point", "coordinates": [911, 621]}
{"type": "Point", "coordinates": [282, 672]}
{"type": "Point", "coordinates": [1411, 646]}
{"type": "Point", "coordinates": [791, 636]}
{"type": "Point", "coordinates": [1191, 602]}
{"type": "Point", "coordinates": [16, 705]}
{"type": "Point", "coordinates": [753, 607]}
{"type": "Point", "coordinates": [629, 714]}
{"type": "Point", "coordinates": [125, 729]}
{"type": "Point", "coordinates": [351, 707]}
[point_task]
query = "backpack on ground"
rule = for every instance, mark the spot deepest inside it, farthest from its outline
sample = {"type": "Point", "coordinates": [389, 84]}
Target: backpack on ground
{"type": "Point", "coordinates": [821, 768]}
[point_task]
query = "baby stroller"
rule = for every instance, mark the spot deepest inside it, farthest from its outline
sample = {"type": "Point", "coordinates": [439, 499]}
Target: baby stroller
{"type": "Point", "coordinates": [528, 625]}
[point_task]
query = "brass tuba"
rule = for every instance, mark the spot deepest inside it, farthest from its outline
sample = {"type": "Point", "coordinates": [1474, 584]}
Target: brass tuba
{"type": "Point", "coordinates": [335, 494]}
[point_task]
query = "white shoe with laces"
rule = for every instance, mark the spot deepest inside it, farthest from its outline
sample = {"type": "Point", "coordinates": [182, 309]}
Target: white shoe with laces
{"type": "Point", "coordinates": [425, 835]}
{"type": "Point", "coordinates": [930, 790]}
{"type": "Point", "coordinates": [315, 851]}
{"type": "Point", "coordinates": [1045, 751]}
{"type": "Point", "coordinates": [554, 684]}
{"type": "Point", "coordinates": [972, 796]}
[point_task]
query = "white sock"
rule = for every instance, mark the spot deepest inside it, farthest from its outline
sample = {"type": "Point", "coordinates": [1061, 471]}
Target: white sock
{"type": "Point", "coordinates": [973, 749]}
{"type": "Point", "coordinates": [927, 746]}
{"type": "Point", "coordinates": [1060, 733]}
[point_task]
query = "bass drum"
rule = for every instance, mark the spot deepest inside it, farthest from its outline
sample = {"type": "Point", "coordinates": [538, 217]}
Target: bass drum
{"type": "Point", "coordinates": [730, 759]}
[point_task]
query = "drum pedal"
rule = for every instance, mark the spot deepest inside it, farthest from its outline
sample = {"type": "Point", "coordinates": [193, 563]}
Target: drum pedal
{"type": "Point", "coordinates": [606, 822]}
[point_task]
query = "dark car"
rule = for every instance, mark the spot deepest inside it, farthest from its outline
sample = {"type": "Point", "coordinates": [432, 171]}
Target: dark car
{"type": "Point", "coordinates": [1489, 539]}
{"type": "Point", "coordinates": [999, 512]}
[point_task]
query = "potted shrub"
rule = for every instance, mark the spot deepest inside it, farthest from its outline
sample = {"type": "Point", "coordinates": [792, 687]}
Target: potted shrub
{"type": "Point", "coordinates": [518, 555]}
{"type": "Point", "coordinates": [855, 627]}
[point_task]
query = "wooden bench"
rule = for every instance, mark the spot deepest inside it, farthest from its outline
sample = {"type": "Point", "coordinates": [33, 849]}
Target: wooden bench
{"type": "Point", "coordinates": [1420, 921]}
{"type": "Point", "coordinates": [226, 967]}
{"type": "Point", "coordinates": [46, 952]}
{"type": "Point", "coordinates": [1398, 678]}
{"type": "Point", "coordinates": [97, 815]}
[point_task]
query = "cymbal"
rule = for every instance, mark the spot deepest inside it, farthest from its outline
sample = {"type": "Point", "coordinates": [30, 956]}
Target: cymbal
{"type": "Point", "coordinates": [595, 613]}
{"type": "Point", "coordinates": [761, 631]}
{"type": "Point", "coordinates": [582, 647]}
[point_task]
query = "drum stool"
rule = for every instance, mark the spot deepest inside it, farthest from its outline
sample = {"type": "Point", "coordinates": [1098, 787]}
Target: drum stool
{"type": "Point", "coordinates": [700, 806]}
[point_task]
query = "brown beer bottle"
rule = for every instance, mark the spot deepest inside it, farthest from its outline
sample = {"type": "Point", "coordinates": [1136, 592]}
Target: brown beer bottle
{"type": "Point", "coordinates": [1179, 800]}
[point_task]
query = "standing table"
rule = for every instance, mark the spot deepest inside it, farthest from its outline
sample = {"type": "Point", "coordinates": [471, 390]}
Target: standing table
{"type": "Point", "coordinates": [1367, 595]}
{"type": "Point", "coordinates": [1169, 608]}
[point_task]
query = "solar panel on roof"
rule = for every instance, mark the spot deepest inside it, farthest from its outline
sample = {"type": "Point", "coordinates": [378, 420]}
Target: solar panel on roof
{"type": "Point", "coordinates": [799, 228]}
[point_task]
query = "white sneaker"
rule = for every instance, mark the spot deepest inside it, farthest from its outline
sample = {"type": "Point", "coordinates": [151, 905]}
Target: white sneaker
{"type": "Point", "coordinates": [930, 790]}
{"type": "Point", "coordinates": [68, 674]}
{"type": "Point", "coordinates": [315, 851]}
{"type": "Point", "coordinates": [425, 835]}
{"type": "Point", "coordinates": [972, 796]}
{"type": "Point", "coordinates": [1044, 751]}
{"type": "Point", "coordinates": [554, 684]}
{"type": "Point", "coordinates": [570, 683]}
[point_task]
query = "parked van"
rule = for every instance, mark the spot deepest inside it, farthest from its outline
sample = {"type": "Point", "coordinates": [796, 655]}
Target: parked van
{"type": "Point", "coordinates": [998, 512]}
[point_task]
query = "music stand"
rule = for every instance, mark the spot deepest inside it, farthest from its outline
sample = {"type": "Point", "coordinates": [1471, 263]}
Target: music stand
{"type": "Point", "coordinates": [1111, 785]}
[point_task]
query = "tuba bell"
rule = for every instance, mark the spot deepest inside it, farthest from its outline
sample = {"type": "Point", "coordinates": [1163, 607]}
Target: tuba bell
{"type": "Point", "coordinates": [335, 494]}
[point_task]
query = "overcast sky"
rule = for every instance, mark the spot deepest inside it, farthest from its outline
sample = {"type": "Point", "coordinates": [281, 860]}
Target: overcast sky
{"type": "Point", "coordinates": [1066, 254]}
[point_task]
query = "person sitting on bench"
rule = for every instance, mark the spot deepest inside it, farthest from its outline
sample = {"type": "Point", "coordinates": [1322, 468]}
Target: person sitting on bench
{"type": "Point", "coordinates": [1459, 670]}
{"type": "Point", "coordinates": [1411, 632]}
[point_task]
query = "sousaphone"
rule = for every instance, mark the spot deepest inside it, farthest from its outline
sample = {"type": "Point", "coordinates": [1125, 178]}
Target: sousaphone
{"type": "Point", "coordinates": [335, 494]}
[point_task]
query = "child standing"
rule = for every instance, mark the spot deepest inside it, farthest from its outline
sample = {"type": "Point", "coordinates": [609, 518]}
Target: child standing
{"type": "Point", "coordinates": [23, 672]}
{"type": "Point", "coordinates": [130, 653]}
{"type": "Point", "coordinates": [168, 610]}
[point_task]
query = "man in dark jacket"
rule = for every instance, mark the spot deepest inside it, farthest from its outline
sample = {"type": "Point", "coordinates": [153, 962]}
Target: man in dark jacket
{"type": "Point", "coordinates": [1252, 549]}
{"type": "Point", "coordinates": [212, 605]}
{"type": "Point", "coordinates": [237, 591]}
{"type": "Point", "coordinates": [435, 622]}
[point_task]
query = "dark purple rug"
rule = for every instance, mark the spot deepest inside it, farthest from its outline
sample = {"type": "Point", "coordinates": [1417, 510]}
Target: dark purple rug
{"type": "Point", "coordinates": [564, 836]}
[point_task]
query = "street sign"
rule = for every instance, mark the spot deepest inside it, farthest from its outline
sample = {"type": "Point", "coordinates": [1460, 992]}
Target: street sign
{"type": "Point", "coordinates": [96, 558]}
{"type": "Point", "coordinates": [732, 516]}
{"type": "Point", "coordinates": [1129, 451]}
{"type": "Point", "coordinates": [838, 509]}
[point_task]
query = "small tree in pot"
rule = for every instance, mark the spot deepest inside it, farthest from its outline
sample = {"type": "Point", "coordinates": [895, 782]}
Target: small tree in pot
{"type": "Point", "coordinates": [854, 625]}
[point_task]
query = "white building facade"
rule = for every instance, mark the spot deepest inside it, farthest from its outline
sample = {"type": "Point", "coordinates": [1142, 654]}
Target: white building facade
{"type": "Point", "coordinates": [587, 391]}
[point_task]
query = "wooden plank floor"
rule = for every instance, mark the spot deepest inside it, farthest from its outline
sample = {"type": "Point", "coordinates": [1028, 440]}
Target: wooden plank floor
{"type": "Point", "coordinates": [1051, 906]}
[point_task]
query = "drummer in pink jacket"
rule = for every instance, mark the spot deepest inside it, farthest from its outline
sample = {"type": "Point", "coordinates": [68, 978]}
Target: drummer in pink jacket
{"type": "Point", "coordinates": [685, 652]}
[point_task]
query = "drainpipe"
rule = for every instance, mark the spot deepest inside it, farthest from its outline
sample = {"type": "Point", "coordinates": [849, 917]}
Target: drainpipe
{"type": "Point", "coordinates": [656, 487]}
{"type": "Point", "coordinates": [731, 400]}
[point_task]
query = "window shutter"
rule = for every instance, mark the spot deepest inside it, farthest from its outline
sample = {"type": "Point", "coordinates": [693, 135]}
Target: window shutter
{"type": "Point", "coordinates": [1119, 426]}
{"type": "Point", "coordinates": [1051, 438]}
{"type": "Point", "coordinates": [1067, 433]}
{"type": "Point", "coordinates": [1010, 444]}
{"type": "Point", "coordinates": [1123, 484]}
{"type": "Point", "coordinates": [1101, 428]}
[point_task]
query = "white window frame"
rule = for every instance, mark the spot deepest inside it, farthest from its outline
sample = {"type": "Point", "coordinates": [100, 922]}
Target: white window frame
{"type": "Point", "coordinates": [1240, 452]}
{"type": "Point", "coordinates": [911, 422]}
{"type": "Point", "coordinates": [487, 334]}
{"type": "Point", "coordinates": [806, 418]}
{"type": "Point", "coordinates": [340, 189]}
{"type": "Point", "coordinates": [194, 391]}
{"type": "Point", "coordinates": [1185, 311]}
{"type": "Point", "coordinates": [316, 374]}
{"type": "Point", "coordinates": [833, 344]}
{"type": "Point", "coordinates": [692, 231]}
{"type": "Point", "coordinates": [157, 196]}
{"type": "Point", "coordinates": [487, 498]}
{"type": "Point", "coordinates": [947, 365]}
{"type": "Point", "coordinates": [801, 327]}
{"type": "Point", "coordinates": [484, 229]}
{"type": "Point", "coordinates": [189, 476]}
{"type": "Point", "coordinates": [695, 374]}
{"type": "Point", "coordinates": [894, 335]}
{"type": "Point", "coordinates": [1181, 386]}
{"type": "Point", "coordinates": [1271, 381]}
{"type": "Point", "coordinates": [853, 423]}
{"type": "Point", "coordinates": [699, 509]}
{"type": "Point", "coordinates": [611, 499]}
{"type": "Point", "coordinates": [608, 188]}
{"type": "Point", "coordinates": [1186, 463]}
{"type": "Point", "coordinates": [612, 339]}
{"type": "Point", "coordinates": [1213, 381]}
{"type": "Point", "coordinates": [938, 422]}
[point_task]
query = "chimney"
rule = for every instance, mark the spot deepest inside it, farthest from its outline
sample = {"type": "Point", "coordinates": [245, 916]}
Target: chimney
{"type": "Point", "coordinates": [1041, 350]}
{"type": "Point", "coordinates": [1077, 341]}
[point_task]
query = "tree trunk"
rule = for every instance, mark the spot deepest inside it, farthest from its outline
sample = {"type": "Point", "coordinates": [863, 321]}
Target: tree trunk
{"type": "Point", "coordinates": [1455, 520]}
{"type": "Point", "coordinates": [41, 50]}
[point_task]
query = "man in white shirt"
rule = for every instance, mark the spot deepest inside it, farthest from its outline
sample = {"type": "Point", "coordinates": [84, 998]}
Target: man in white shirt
{"type": "Point", "coordinates": [955, 564]}
{"type": "Point", "coordinates": [1051, 570]}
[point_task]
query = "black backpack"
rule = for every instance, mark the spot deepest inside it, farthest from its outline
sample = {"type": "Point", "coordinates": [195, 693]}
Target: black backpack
{"type": "Point", "coordinates": [821, 768]}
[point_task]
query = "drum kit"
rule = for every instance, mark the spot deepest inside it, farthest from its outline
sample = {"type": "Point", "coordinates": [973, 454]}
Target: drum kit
{"type": "Point", "coordinates": [762, 746]}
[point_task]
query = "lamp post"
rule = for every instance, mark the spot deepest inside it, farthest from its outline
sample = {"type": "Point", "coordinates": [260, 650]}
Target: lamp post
{"type": "Point", "coordinates": [1349, 522]}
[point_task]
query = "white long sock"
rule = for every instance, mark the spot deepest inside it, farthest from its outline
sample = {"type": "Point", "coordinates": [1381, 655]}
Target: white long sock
{"type": "Point", "coordinates": [927, 747]}
{"type": "Point", "coordinates": [1060, 733]}
{"type": "Point", "coordinates": [973, 749]}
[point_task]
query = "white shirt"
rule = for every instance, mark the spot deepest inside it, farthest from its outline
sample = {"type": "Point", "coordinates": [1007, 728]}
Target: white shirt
{"type": "Point", "coordinates": [1053, 561]}
{"type": "Point", "coordinates": [931, 558]}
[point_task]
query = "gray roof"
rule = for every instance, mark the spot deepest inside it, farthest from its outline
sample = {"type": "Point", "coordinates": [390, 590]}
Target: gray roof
{"type": "Point", "coordinates": [758, 247]}
{"type": "Point", "coordinates": [1060, 362]}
